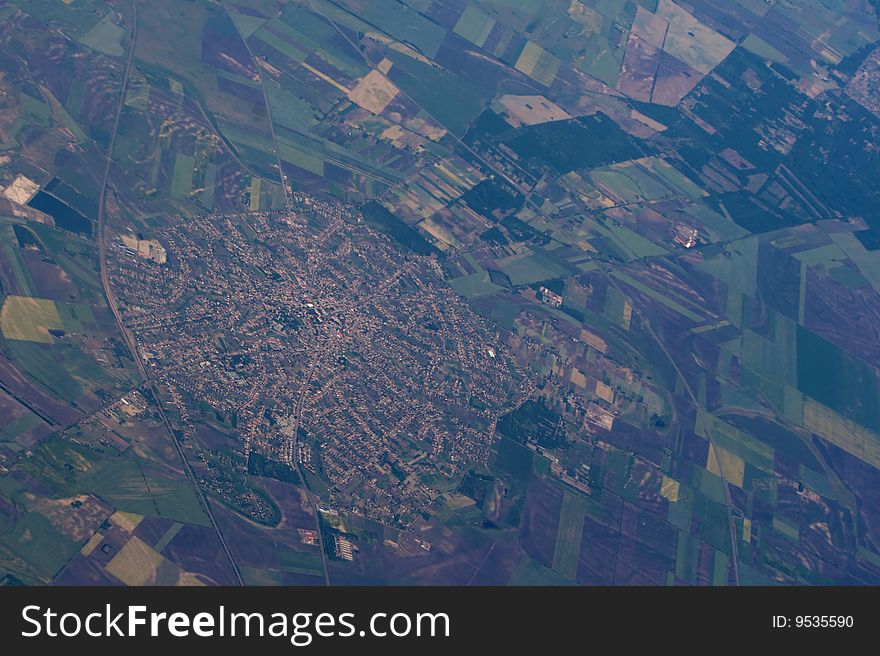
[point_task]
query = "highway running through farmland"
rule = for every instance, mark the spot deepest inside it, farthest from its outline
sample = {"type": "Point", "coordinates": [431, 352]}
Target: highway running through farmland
{"type": "Point", "coordinates": [111, 300]}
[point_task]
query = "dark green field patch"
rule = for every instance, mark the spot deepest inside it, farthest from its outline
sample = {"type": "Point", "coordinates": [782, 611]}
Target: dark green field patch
{"type": "Point", "coordinates": [63, 369]}
{"type": "Point", "coordinates": [491, 199]}
{"type": "Point", "coordinates": [33, 538]}
{"type": "Point", "coordinates": [837, 380]}
{"type": "Point", "coordinates": [581, 143]}
{"type": "Point", "coordinates": [513, 459]}
{"type": "Point", "coordinates": [532, 421]}
{"type": "Point", "coordinates": [387, 223]}
{"type": "Point", "coordinates": [453, 102]}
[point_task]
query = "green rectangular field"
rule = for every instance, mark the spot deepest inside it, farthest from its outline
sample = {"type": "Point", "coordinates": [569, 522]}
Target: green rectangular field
{"type": "Point", "coordinates": [246, 24]}
{"type": "Point", "coordinates": [181, 182]}
{"type": "Point", "coordinates": [632, 244]}
{"type": "Point", "coordinates": [739, 269]}
{"type": "Point", "coordinates": [615, 303]}
{"type": "Point", "coordinates": [280, 44]}
{"type": "Point", "coordinates": [474, 25]}
{"type": "Point", "coordinates": [77, 257]}
{"type": "Point", "coordinates": [474, 285]}
{"type": "Point", "coordinates": [65, 118]}
{"type": "Point", "coordinates": [645, 179]}
{"type": "Point", "coordinates": [569, 534]}
{"type": "Point", "coordinates": [720, 227]}
{"type": "Point", "coordinates": [33, 112]}
{"type": "Point", "coordinates": [302, 562]}
{"type": "Point", "coordinates": [752, 450]}
{"type": "Point", "coordinates": [514, 459]}
{"type": "Point", "coordinates": [300, 157]}
{"type": "Point", "coordinates": [14, 428]}
{"type": "Point", "coordinates": [452, 101]}
{"type": "Point", "coordinates": [63, 369]}
{"type": "Point", "coordinates": [317, 35]}
{"type": "Point", "coordinates": [529, 572]}
{"type": "Point", "coordinates": [533, 266]}
{"type": "Point", "coordinates": [175, 498]}
{"type": "Point", "coordinates": [33, 538]}
{"type": "Point", "coordinates": [74, 315]}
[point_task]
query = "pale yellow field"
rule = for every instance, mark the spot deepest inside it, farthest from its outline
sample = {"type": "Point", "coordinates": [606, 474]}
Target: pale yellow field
{"type": "Point", "coordinates": [256, 185]}
{"type": "Point", "coordinates": [646, 120]}
{"type": "Point", "coordinates": [627, 314]}
{"type": "Point", "coordinates": [459, 501]}
{"type": "Point", "coordinates": [720, 460]}
{"type": "Point", "coordinates": [92, 544]}
{"type": "Point", "coordinates": [126, 520]}
{"type": "Point", "coordinates": [136, 563]}
{"type": "Point", "coordinates": [21, 190]}
{"type": "Point", "coordinates": [531, 110]}
{"type": "Point", "coordinates": [437, 232]}
{"type": "Point", "coordinates": [324, 77]}
{"type": "Point", "coordinates": [688, 40]}
{"type": "Point", "coordinates": [604, 391]}
{"type": "Point", "coordinates": [594, 340]}
{"type": "Point", "coordinates": [670, 488]}
{"type": "Point", "coordinates": [374, 92]}
{"type": "Point", "coordinates": [384, 66]}
{"type": "Point", "coordinates": [29, 319]}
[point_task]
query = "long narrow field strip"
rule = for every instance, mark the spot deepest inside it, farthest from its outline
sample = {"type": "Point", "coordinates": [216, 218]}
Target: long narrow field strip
{"type": "Point", "coordinates": [10, 253]}
{"type": "Point", "coordinates": [568, 536]}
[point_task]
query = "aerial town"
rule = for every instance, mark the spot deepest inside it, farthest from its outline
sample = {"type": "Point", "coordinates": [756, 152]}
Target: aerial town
{"type": "Point", "coordinates": [329, 352]}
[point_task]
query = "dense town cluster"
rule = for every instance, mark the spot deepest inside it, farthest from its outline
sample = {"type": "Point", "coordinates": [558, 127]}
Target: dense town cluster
{"type": "Point", "coordinates": [864, 87]}
{"type": "Point", "coordinates": [328, 349]}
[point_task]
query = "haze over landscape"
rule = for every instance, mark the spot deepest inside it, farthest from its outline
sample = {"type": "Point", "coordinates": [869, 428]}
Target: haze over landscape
{"type": "Point", "coordinates": [439, 292]}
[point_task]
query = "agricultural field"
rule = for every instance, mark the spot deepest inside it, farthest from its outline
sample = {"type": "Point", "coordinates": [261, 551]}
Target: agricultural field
{"type": "Point", "coordinates": [29, 319]}
{"type": "Point", "coordinates": [122, 512]}
{"type": "Point", "coordinates": [64, 343]}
